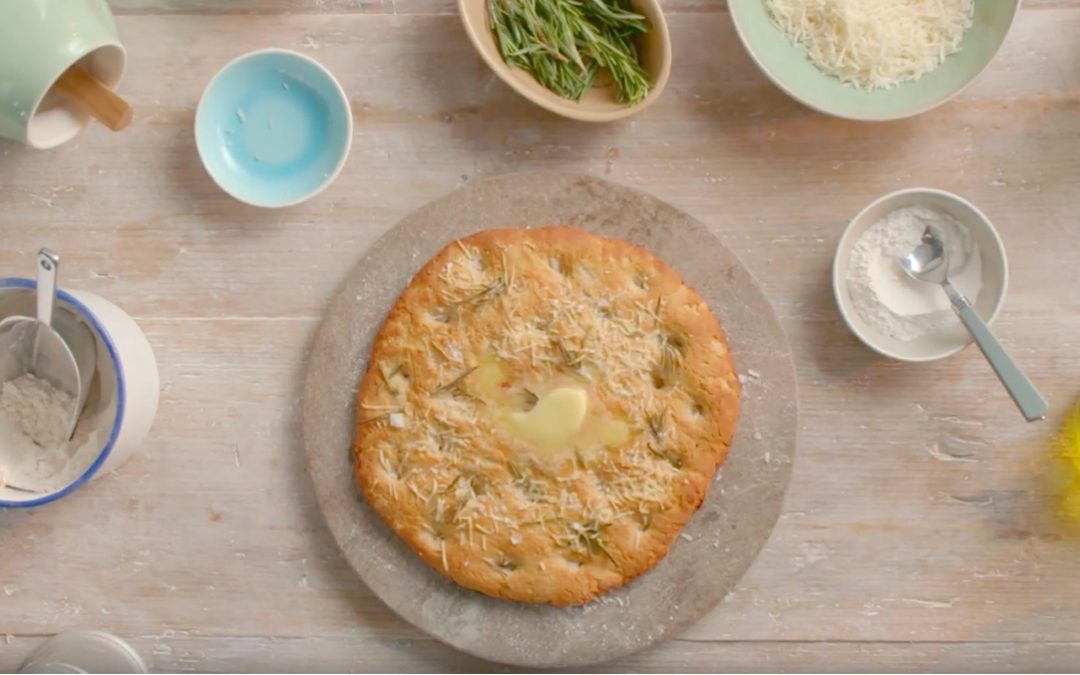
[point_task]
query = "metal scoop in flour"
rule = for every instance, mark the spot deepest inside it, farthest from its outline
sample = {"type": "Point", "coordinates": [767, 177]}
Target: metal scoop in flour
{"type": "Point", "coordinates": [34, 346]}
{"type": "Point", "coordinates": [929, 262]}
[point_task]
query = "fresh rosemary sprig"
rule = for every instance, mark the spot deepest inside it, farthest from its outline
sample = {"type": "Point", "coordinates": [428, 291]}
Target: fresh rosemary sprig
{"type": "Point", "coordinates": [565, 43]}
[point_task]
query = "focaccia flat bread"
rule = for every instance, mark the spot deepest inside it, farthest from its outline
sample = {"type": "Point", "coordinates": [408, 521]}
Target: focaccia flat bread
{"type": "Point", "coordinates": [543, 411]}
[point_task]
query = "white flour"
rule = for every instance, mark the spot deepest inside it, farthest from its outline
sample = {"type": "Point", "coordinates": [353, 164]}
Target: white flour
{"type": "Point", "coordinates": [890, 301]}
{"type": "Point", "coordinates": [37, 409]}
{"type": "Point", "coordinates": [35, 453]}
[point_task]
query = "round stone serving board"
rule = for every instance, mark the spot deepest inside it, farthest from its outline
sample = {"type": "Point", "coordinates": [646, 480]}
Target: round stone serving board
{"type": "Point", "coordinates": [717, 545]}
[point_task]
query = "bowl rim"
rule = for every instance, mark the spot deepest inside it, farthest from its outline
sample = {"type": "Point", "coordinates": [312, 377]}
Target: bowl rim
{"type": "Point", "coordinates": [494, 61]}
{"type": "Point", "coordinates": [84, 312]}
{"type": "Point", "coordinates": [343, 99]}
{"type": "Point", "coordinates": [863, 118]}
{"type": "Point", "coordinates": [839, 267]}
{"type": "Point", "coordinates": [60, 139]}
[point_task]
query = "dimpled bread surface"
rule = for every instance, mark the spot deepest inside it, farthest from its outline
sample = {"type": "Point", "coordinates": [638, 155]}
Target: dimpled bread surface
{"type": "Point", "coordinates": [482, 335]}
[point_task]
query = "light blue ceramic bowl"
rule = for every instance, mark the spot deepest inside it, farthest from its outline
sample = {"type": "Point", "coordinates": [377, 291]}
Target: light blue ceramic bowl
{"type": "Point", "coordinates": [273, 128]}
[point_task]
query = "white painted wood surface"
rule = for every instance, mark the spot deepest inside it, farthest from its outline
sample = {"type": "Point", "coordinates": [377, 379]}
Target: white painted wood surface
{"type": "Point", "coordinates": [920, 530]}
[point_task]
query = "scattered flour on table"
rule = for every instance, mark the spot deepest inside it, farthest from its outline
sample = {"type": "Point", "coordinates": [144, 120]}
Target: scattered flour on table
{"type": "Point", "coordinates": [35, 453]}
{"type": "Point", "coordinates": [890, 301]}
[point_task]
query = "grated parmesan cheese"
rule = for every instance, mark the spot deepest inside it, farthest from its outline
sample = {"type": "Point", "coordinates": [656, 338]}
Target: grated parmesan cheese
{"type": "Point", "coordinates": [874, 44]}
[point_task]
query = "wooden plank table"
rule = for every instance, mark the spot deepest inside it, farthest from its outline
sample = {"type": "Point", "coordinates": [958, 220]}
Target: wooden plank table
{"type": "Point", "coordinates": [920, 529]}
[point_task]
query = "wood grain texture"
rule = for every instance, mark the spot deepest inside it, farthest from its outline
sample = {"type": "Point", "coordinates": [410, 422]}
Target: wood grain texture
{"type": "Point", "coordinates": [383, 6]}
{"type": "Point", "coordinates": [919, 529]}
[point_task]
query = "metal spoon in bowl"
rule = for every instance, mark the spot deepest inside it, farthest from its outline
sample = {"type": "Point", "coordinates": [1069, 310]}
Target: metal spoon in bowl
{"type": "Point", "coordinates": [929, 262]}
{"type": "Point", "coordinates": [33, 346]}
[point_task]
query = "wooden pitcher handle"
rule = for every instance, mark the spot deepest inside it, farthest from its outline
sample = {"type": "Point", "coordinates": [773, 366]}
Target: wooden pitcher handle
{"type": "Point", "coordinates": [91, 95]}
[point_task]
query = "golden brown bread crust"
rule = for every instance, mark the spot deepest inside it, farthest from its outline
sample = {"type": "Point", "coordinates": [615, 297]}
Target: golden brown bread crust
{"type": "Point", "coordinates": [487, 325]}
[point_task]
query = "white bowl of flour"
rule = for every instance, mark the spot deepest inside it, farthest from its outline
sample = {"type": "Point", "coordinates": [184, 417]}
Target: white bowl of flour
{"type": "Point", "coordinates": [120, 407]}
{"type": "Point", "coordinates": [896, 315]}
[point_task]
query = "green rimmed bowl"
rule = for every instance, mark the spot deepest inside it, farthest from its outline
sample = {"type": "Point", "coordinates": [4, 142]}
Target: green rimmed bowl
{"type": "Point", "coordinates": [788, 66]}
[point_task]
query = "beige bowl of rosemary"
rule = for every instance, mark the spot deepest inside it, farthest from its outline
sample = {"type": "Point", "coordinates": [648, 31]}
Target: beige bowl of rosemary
{"type": "Point", "coordinates": [590, 60]}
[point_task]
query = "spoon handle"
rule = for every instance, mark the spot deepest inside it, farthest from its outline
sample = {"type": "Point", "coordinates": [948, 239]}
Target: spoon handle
{"type": "Point", "coordinates": [48, 266]}
{"type": "Point", "coordinates": [90, 94]}
{"type": "Point", "coordinates": [1023, 392]}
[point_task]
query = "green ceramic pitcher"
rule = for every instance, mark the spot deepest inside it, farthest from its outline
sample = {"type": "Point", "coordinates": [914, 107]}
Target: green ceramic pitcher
{"type": "Point", "coordinates": [39, 40]}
